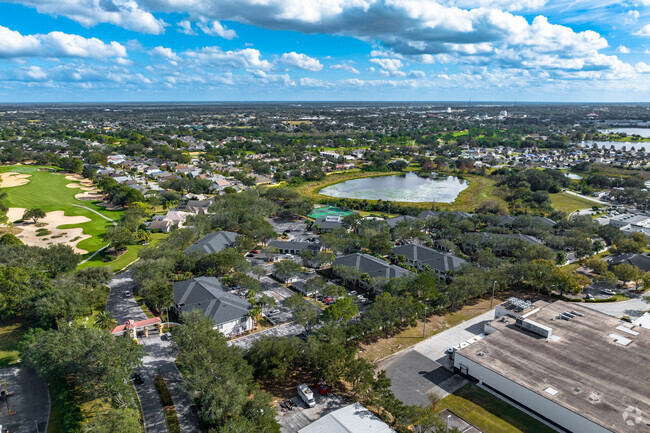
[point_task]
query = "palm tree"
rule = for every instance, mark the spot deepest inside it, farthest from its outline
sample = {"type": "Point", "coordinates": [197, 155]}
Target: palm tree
{"type": "Point", "coordinates": [105, 320]}
{"type": "Point", "coordinates": [255, 313]}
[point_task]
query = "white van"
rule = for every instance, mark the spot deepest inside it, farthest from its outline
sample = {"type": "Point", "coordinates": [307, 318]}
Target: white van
{"type": "Point", "coordinates": [307, 396]}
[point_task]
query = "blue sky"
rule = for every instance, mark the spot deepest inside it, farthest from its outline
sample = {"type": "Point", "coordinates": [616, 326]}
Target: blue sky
{"type": "Point", "coordinates": [252, 50]}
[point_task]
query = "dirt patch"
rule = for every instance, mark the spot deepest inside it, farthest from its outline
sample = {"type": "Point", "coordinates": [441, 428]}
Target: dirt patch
{"type": "Point", "coordinates": [12, 230]}
{"type": "Point", "coordinates": [30, 232]}
{"type": "Point", "coordinates": [11, 179]}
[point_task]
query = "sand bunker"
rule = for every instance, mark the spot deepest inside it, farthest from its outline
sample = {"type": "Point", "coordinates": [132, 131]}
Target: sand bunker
{"type": "Point", "coordinates": [52, 220]}
{"type": "Point", "coordinates": [93, 195]}
{"type": "Point", "coordinates": [11, 178]}
{"type": "Point", "coordinates": [83, 188]}
{"type": "Point", "coordinates": [78, 178]}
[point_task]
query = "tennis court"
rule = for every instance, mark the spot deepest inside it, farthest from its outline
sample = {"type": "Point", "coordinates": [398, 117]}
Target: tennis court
{"type": "Point", "coordinates": [328, 211]}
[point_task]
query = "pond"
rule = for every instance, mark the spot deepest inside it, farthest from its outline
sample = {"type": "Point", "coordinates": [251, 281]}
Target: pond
{"type": "Point", "coordinates": [407, 188]}
{"type": "Point", "coordinates": [618, 145]}
{"type": "Point", "coordinates": [643, 132]}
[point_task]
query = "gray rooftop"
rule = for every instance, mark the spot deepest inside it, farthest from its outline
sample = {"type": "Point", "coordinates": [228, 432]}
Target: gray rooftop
{"type": "Point", "coordinates": [371, 265]}
{"type": "Point", "coordinates": [640, 261]}
{"type": "Point", "coordinates": [439, 261]}
{"type": "Point", "coordinates": [354, 418]}
{"type": "Point", "coordinates": [392, 222]}
{"type": "Point", "coordinates": [594, 375]}
{"type": "Point", "coordinates": [294, 245]}
{"type": "Point", "coordinates": [436, 214]}
{"type": "Point", "coordinates": [213, 243]}
{"type": "Point", "coordinates": [208, 294]}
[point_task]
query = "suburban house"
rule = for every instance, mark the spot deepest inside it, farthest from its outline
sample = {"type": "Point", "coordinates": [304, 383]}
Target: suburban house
{"type": "Point", "coordinates": [374, 267]}
{"type": "Point", "coordinates": [640, 261]}
{"type": "Point", "coordinates": [213, 243]}
{"type": "Point", "coordinates": [228, 312]}
{"type": "Point", "coordinates": [393, 222]}
{"type": "Point", "coordinates": [419, 256]}
{"type": "Point", "coordinates": [327, 224]}
{"type": "Point", "coordinates": [500, 244]}
{"type": "Point", "coordinates": [436, 214]}
{"type": "Point", "coordinates": [161, 225]}
{"type": "Point", "coordinates": [293, 247]}
{"type": "Point", "coordinates": [196, 207]}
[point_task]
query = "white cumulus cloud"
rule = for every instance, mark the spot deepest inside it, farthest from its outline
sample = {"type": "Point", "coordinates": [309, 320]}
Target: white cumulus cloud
{"type": "Point", "coordinates": [301, 61]}
{"type": "Point", "coordinates": [238, 59]}
{"type": "Point", "coordinates": [56, 44]}
{"type": "Point", "coordinates": [215, 28]}
{"type": "Point", "coordinates": [124, 13]}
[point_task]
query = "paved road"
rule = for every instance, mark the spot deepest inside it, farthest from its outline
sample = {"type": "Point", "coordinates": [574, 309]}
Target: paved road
{"type": "Point", "coordinates": [632, 308]}
{"type": "Point", "coordinates": [594, 199]}
{"type": "Point", "coordinates": [31, 401]}
{"type": "Point", "coordinates": [425, 367]}
{"type": "Point", "coordinates": [159, 357]}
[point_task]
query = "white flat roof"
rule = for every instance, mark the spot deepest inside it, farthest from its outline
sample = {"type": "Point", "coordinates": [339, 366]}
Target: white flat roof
{"type": "Point", "coordinates": [354, 418]}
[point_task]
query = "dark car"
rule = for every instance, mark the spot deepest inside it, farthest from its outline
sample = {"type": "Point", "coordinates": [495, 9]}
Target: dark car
{"type": "Point", "coordinates": [137, 378]}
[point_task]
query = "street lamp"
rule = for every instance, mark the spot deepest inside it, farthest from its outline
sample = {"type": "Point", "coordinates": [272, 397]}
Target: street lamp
{"type": "Point", "coordinates": [448, 418]}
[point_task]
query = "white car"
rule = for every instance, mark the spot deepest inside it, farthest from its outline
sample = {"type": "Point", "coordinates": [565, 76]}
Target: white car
{"type": "Point", "coordinates": [609, 292]}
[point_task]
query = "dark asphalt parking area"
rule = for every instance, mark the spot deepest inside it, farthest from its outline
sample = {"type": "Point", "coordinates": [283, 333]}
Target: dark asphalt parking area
{"type": "Point", "coordinates": [412, 388]}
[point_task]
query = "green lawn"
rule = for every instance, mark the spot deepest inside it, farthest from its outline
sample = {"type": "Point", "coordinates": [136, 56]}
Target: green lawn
{"type": "Point", "coordinates": [48, 191]}
{"type": "Point", "coordinates": [570, 203]}
{"type": "Point", "coordinates": [489, 413]}
{"type": "Point", "coordinates": [130, 255]}
{"type": "Point", "coordinates": [10, 336]}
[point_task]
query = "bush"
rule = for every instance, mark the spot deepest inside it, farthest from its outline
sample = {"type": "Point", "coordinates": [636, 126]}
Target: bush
{"type": "Point", "coordinates": [597, 301]}
{"type": "Point", "coordinates": [163, 390]}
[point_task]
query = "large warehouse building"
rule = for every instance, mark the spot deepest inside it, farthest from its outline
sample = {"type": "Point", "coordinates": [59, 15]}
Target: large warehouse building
{"type": "Point", "coordinates": [579, 369]}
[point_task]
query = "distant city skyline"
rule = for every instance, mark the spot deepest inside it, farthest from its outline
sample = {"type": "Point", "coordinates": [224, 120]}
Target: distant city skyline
{"type": "Point", "coordinates": [324, 50]}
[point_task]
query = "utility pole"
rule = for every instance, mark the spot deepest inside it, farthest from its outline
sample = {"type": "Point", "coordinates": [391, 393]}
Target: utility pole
{"type": "Point", "coordinates": [424, 325]}
{"type": "Point", "coordinates": [494, 285]}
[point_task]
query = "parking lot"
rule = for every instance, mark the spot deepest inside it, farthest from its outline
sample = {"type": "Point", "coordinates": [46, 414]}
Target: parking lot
{"type": "Point", "coordinates": [425, 367]}
{"type": "Point", "coordinates": [287, 330]}
{"type": "Point", "coordinates": [302, 415]}
{"type": "Point", "coordinates": [30, 401]}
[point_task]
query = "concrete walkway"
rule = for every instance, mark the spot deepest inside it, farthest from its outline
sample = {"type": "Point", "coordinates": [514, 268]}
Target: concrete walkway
{"type": "Point", "coordinates": [94, 211]}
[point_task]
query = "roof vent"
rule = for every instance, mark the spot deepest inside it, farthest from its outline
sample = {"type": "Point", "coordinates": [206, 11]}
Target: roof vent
{"type": "Point", "coordinates": [551, 391]}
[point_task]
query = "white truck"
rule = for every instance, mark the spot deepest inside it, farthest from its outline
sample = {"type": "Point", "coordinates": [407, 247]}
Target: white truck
{"type": "Point", "coordinates": [307, 395]}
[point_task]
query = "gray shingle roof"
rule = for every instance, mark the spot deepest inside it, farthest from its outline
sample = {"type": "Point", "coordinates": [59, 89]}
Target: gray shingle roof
{"type": "Point", "coordinates": [371, 265]}
{"type": "Point", "coordinates": [392, 222]}
{"type": "Point", "coordinates": [294, 245]}
{"type": "Point", "coordinates": [208, 295]}
{"type": "Point", "coordinates": [431, 213]}
{"type": "Point", "coordinates": [439, 261]}
{"type": "Point", "coordinates": [213, 243]}
{"type": "Point", "coordinates": [638, 260]}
